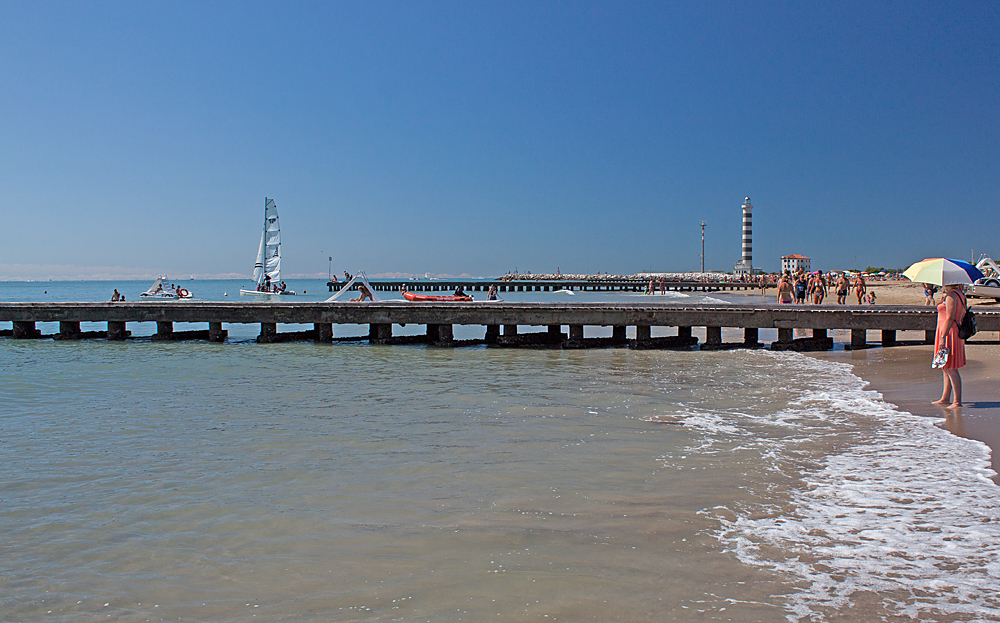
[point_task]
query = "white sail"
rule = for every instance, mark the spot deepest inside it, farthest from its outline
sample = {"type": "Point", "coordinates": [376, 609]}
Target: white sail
{"type": "Point", "coordinates": [269, 254]}
{"type": "Point", "coordinates": [258, 267]}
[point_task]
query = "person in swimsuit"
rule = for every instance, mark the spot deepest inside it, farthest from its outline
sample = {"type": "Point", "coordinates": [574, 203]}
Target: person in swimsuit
{"type": "Point", "coordinates": [860, 289]}
{"type": "Point", "coordinates": [929, 294]}
{"type": "Point", "coordinates": [951, 310]}
{"type": "Point", "coordinates": [819, 288]}
{"type": "Point", "coordinates": [800, 288]}
{"type": "Point", "coordinates": [366, 295]}
{"type": "Point", "coordinates": [784, 290]}
{"type": "Point", "coordinates": [842, 286]}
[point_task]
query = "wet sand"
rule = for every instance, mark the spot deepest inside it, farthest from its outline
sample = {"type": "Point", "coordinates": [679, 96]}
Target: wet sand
{"type": "Point", "coordinates": [904, 377]}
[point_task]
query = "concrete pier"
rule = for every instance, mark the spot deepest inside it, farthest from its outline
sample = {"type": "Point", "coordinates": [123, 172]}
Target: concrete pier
{"type": "Point", "coordinates": [543, 285]}
{"type": "Point", "coordinates": [324, 331]}
{"type": "Point", "coordinates": [500, 321]}
{"type": "Point", "coordinates": [216, 333]}
{"type": "Point", "coordinates": [116, 330]}
{"type": "Point", "coordinates": [25, 330]}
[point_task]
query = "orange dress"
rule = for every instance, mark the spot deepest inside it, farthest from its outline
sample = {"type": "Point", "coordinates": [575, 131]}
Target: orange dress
{"type": "Point", "coordinates": [950, 340]}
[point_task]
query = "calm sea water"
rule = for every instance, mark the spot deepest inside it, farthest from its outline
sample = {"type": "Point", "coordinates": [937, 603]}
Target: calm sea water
{"type": "Point", "coordinates": [348, 482]}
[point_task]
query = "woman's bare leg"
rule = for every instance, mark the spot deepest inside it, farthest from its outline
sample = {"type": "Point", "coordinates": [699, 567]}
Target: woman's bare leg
{"type": "Point", "coordinates": [956, 383]}
{"type": "Point", "coordinates": [946, 392]}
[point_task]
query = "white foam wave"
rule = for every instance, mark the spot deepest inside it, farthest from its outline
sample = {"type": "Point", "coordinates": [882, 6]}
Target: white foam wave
{"type": "Point", "coordinates": [883, 502]}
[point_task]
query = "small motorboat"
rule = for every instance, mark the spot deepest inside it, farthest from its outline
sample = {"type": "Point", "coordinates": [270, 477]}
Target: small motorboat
{"type": "Point", "coordinates": [409, 296]}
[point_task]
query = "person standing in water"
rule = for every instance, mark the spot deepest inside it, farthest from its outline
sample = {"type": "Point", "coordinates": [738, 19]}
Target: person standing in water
{"type": "Point", "coordinates": [950, 312]}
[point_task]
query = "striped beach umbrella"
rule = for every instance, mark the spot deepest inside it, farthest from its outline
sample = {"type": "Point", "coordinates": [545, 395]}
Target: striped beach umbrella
{"type": "Point", "coordinates": [941, 271]}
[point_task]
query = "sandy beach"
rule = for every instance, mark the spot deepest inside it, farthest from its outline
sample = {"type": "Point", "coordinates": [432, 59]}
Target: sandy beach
{"type": "Point", "coordinates": [904, 378]}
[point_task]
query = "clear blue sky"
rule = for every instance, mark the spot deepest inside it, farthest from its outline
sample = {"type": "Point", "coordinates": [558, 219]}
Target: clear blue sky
{"type": "Point", "coordinates": [464, 137]}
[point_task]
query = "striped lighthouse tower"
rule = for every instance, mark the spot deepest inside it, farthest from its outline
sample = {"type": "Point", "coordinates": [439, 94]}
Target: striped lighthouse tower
{"type": "Point", "coordinates": [745, 265]}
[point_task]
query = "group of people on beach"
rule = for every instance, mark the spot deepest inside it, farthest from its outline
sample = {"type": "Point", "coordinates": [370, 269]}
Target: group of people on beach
{"type": "Point", "coordinates": [801, 287]}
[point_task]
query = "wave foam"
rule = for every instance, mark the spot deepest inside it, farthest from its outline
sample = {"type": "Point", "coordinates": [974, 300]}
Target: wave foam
{"type": "Point", "coordinates": [893, 505]}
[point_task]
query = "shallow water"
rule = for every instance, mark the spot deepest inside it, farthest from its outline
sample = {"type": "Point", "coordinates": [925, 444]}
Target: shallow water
{"type": "Point", "coordinates": [353, 482]}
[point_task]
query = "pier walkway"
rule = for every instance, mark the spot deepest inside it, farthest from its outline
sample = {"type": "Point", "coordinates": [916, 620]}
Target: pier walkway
{"type": "Point", "coordinates": [500, 320]}
{"type": "Point", "coordinates": [534, 285]}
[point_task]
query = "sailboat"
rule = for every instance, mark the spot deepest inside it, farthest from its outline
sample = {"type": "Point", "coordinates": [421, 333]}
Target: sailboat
{"type": "Point", "coordinates": [267, 269]}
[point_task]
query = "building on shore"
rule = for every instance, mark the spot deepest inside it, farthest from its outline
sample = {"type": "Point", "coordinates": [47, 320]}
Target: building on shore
{"type": "Point", "coordinates": [745, 265]}
{"type": "Point", "coordinates": [794, 262]}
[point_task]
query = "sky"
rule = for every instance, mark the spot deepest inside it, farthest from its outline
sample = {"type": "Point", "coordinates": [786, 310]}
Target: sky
{"type": "Point", "coordinates": [482, 137]}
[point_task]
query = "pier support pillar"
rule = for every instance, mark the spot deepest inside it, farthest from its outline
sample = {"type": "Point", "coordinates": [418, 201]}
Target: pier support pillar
{"type": "Point", "coordinates": [618, 334]}
{"type": "Point", "coordinates": [751, 336]}
{"type": "Point", "coordinates": [555, 332]}
{"type": "Point", "coordinates": [379, 332]}
{"type": "Point", "coordinates": [268, 332]}
{"type": "Point", "coordinates": [116, 331]}
{"type": "Point", "coordinates": [445, 333]}
{"type": "Point", "coordinates": [215, 332]}
{"type": "Point", "coordinates": [888, 337]}
{"type": "Point", "coordinates": [643, 332]}
{"type": "Point", "coordinates": [819, 334]}
{"type": "Point", "coordinates": [163, 330]}
{"type": "Point", "coordinates": [929, 336]}
{"type": "Point", "coordinates": [786, 335]}
{"type": "Point", "coordinates": [713, 335]}
{"type": "Point", "coordinates": [25, 329]}
{"type": "Point", "coordinates": [575, 332]}
{"type": "Point", "coordinates": [683, 331]}
{"type": "Point", "coordinates": [324, 331]}
{"type": "Point", "coordinates": [492, 333]}
{"type": "Point", "coordinates": [68, 329]}
{"type": "Point", "coordinates": [509, 330]}
{"type": "Point", "coordinates": [859, 338]}
{"type": "Point", "coordinates": [441, 334]}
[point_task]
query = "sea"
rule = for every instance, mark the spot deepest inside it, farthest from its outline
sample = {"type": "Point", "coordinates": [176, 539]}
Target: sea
{"type": "Point", "coordinates": [191, 481]}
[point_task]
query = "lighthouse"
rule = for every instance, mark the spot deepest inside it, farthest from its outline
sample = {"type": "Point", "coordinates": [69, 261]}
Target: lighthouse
{"type": "Point", "coordinates": [745, 265]}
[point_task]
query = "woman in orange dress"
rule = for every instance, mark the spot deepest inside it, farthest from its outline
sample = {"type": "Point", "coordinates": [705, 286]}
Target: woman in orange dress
{"type": "Point", "coordinates": [951, 310]}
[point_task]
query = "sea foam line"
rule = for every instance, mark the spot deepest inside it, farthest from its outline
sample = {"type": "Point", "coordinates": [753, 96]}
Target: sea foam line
{"type": "Point", "coordinates": [909, 514]}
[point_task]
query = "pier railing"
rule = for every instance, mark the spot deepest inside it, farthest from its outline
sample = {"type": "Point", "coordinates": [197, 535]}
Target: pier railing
{"type": "Point", "coordinates": [500, 320]}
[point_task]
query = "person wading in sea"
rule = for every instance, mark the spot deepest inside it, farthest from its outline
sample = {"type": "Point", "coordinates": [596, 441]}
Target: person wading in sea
{"type": "Point", "coordinates": [950, 312]}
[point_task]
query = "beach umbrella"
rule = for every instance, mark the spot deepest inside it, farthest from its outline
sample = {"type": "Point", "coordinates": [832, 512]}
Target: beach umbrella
{"type": "Point", "coordinates": [940, 271]}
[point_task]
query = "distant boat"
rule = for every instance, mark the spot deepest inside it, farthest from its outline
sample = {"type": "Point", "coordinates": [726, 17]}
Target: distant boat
{"type": "Point", "coordinates": [267, 269]}
{"type": "Point", "coordinates": [160, 290]}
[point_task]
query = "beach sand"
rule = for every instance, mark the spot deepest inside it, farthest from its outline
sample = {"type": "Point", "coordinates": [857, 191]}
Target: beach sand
{"type": "Point", "coordinates": [904, 377]}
